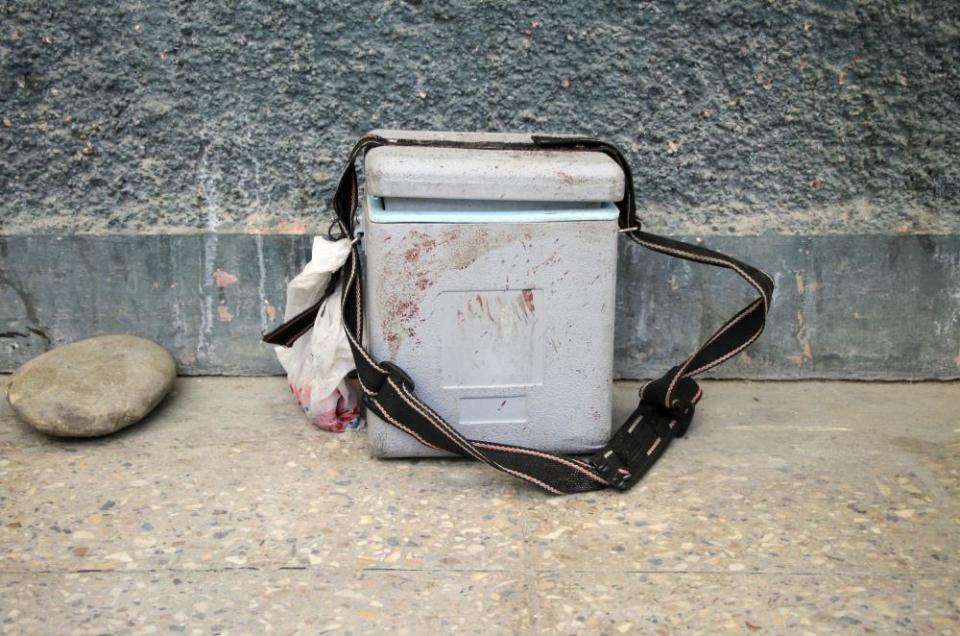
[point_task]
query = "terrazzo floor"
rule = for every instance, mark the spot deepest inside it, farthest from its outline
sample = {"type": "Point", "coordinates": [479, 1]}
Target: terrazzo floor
{"type": "Point", "coordinates": [791, 508]}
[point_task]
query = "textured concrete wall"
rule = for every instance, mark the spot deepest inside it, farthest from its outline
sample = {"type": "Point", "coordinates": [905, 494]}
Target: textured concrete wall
{"type": "Point", "coordinates": [739, 116]}
{"type": "Point", "coordinates": [819, 139]}
{"type": "Point", "coordinates": [866, 307]}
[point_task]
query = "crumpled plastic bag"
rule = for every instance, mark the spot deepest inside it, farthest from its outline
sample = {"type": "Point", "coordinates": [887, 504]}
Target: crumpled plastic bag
{"type": "Point", "coordinates": [318, 362]}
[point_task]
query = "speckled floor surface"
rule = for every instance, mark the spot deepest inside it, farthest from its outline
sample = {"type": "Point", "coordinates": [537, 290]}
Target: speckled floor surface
{"type": "Point", "coordinates": [791, 508]}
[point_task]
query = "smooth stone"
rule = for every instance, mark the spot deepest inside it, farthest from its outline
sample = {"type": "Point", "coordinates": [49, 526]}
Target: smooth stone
{"type": "Point", "coordinates": [92, 387]}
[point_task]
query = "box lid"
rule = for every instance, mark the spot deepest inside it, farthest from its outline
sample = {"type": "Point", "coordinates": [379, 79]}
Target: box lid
{"type": "Point", "coordinates": [498, 175]}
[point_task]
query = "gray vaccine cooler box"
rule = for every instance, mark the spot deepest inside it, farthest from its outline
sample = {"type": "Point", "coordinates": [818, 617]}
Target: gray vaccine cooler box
{"type": "Point", "coordinates": [490, 278]}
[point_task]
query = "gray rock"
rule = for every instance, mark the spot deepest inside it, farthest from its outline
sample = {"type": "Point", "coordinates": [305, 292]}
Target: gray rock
{"type": "Point", "coordinates": [92, 387]}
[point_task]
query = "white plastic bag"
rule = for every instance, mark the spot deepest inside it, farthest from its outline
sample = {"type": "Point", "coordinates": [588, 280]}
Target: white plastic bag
{"type": "Point", "coordinates": [318, 362]}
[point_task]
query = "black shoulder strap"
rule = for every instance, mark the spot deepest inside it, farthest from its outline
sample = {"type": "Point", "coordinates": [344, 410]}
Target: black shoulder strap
{"type": "Point", "coordinates": [666, 405]}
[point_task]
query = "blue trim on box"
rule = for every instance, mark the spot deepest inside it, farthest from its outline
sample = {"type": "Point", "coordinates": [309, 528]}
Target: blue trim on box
{"type": "Point", "coordinates": [377, 214]}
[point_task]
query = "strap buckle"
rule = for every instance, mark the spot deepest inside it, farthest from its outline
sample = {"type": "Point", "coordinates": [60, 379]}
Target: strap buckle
{"type": "Point", "coordinates": [682, 412]}
{"type": "Point", "coordinates": [640, 442]}
{"type": "Point", "coordinates": [397, 375]}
